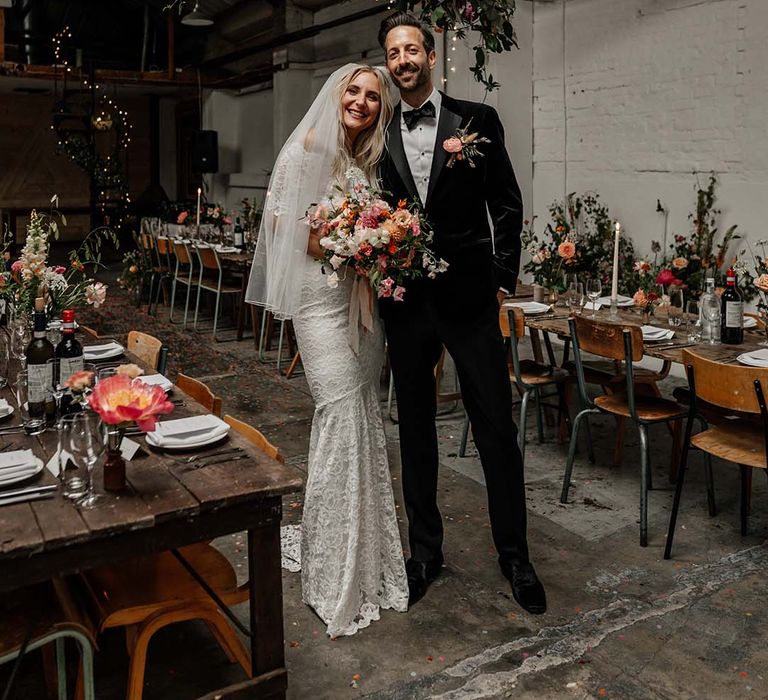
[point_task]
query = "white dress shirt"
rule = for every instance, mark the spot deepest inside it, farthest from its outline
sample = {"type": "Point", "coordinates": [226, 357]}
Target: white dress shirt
{"type": "Point", "coordinates": [419, 144]}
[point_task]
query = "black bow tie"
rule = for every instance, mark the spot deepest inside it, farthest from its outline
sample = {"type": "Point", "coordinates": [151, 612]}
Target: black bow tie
{"type": "Point", "coordinates": [413, 116]}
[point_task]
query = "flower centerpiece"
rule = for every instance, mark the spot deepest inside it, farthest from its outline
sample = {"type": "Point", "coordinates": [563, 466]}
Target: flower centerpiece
{"type": "Point", "coordinates": [134, 269]}
{"type": "Point", "coordinates": [62, 287]}
{"type": "Point", "coordinates": [756, 277]}
{"type": "Point", "coordinates": [692, 257]}
{"type": "Point", "coordinates": [121, 401]}
{"type": "Point", "coordinates": [210, 214]}
{"type": "Point", "coordinates": [362, 233]}
{"type": "Point", "coordinates": [552, 255]}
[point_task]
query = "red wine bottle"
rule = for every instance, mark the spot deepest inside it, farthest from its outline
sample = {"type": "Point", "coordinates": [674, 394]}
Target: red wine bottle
{"type": "Point", "coordinates": [39, 370]}
{"type": "Point", "coordinates": [69, 350]}
{"type": "Point", "coordinates": [731, 312]}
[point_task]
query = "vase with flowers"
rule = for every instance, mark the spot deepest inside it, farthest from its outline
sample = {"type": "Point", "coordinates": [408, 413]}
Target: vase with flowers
{"type": "Point", "coordinates": [121, 401]}
{"type": "Point", "coordinates": [756, 276]}
{"type": "Point", "coordinates": [552, 256]}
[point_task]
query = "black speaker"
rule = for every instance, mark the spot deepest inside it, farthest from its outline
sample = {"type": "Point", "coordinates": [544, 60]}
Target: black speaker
{"type": "Point", "coordinates": [205, 151]}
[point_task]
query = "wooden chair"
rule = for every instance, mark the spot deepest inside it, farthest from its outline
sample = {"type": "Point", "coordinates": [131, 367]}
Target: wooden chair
{"type": "Point", "coordinates": [531, 377]}
{"type": "Point", "coordinates": [199, 392]}
{"type": "Point", "coordinates": [163, 252]}
{"type": "Point", "coordinates": [211, 279]}
{"type": "Point", "coordinates": [742, 440]}
{"type": "Point", "coordinates": [145, 594]}
{"type": "Point", "coordinates": [616, 342]}
{"type": "Point", "coordinates": [146, 347]}
{"type": "Point", "coordinates": [256, 437]}
{"type": "Point", "coordinates": [47, 614]}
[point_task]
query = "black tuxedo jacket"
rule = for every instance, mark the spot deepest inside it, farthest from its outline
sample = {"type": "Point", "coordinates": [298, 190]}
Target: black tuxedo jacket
{"type": "Point", "coordinates": [460, 198]}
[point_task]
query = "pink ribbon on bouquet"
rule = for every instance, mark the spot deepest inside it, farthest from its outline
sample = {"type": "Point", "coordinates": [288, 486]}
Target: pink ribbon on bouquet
{"type": "Point", "coordinates": [360, 311]}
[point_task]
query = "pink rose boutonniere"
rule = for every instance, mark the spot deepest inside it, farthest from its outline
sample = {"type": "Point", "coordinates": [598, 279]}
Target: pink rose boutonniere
{"type": "Point", "coordinates": [463, 146]}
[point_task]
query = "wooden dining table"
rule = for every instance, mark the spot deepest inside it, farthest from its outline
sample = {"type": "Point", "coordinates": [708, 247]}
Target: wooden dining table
{"type": "Point", "coordinates": [166, 505]}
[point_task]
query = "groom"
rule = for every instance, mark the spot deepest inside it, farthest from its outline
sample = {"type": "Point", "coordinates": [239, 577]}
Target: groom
{"type": "Point", "coordinates": [459, 309]}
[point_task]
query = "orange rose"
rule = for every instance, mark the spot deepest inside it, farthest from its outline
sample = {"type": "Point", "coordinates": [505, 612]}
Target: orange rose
{"type": "Point", "coordinates": [679, 263]}
{"type": "Point", "coordinates": [566, 250]}
{"type": "Point", "coordinates": [762, 283]}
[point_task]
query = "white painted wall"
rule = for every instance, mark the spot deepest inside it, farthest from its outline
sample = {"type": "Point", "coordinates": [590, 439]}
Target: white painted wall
{"type": "Point", "coordinates": [630, 97]}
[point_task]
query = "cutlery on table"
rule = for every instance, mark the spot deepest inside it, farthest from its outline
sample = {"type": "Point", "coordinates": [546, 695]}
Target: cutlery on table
{"type": "Point", "coordinates": [203, 457]}
{"type": "Point", "coordinates": [218, 460]}
{"type": "Point", "coordinates": [28, 490]}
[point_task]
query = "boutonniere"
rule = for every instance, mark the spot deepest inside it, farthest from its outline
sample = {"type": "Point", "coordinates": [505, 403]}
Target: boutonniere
{"type": "Point", "coordinates": [463, 146]}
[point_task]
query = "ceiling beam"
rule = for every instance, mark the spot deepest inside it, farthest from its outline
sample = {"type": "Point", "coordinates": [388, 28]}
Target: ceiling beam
{"type": "Point", "coordinates": [2, 34]}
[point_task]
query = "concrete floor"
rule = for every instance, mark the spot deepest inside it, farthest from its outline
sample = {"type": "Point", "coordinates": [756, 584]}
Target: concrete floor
{"type": "Point", "coordinates": [622, 622]}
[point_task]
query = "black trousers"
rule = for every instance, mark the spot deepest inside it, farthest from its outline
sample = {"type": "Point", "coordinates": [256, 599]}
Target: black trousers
{"type": "Point", "coordinates": [458, 310]}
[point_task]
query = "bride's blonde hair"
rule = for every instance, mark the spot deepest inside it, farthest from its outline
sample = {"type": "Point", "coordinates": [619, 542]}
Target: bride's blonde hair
{"type": "Point", "coordinates": [368, 147]}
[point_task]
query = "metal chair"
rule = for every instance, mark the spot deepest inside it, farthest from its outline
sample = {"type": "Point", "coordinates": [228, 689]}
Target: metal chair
{"type": "Point", "coordinates": [211, 279]}
{"type": "Point", "coordinates": [531, 377]}
{"type": "Point", "coordinates": [184, 273]}
{"type": "Point", "coordinates": [163, 250]}
{"type": "Point", "coordinates": [742, 438]}
{"type": "Point", "coordinates": [46, 613]}
{"type": "Point", "coordinates": [616, 342]}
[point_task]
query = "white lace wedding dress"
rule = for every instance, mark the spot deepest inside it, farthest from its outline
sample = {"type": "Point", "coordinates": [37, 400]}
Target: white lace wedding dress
{"type": "Point", "coordinates": [351, 554]}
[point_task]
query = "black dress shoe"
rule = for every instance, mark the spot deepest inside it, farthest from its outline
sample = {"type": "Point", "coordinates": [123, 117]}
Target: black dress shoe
{"type": "Point", "coordinates": [420, 574]}
{"type": "Point", "coordinates": [526, 587]}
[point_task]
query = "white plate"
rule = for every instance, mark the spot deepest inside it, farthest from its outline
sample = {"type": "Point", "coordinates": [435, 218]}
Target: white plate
{"type": "Point", "coordinates": [207, 439]}
{"type": "Point", "coordinates": [745, 359]}
{"type": "Point", "coordinates": [115, 351]}
{"type": "Point", "coordinates": [529, 308]}
{"type": "Point", "coordinates": [6, 412]}
{"type": "Point", "coordinates": [620, 301]}
{"type": "Point", "coordinates": [32, 470]}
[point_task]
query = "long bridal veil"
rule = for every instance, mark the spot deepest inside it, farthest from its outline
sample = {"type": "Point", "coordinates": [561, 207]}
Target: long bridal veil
{"type": "Point", "coordinates": [300, 178]}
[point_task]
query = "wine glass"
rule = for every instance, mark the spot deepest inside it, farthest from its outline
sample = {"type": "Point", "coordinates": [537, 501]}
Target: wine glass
{"type": "Point", "coordinates": [693, 321]}
{"type": "Point", "coordinates": [594, 290]}
{"type": "Point", "coordinates": [20, 337]}
{"type": "Point", "coordinates": [86, 444]}
{"type": "Point", "coordinates": [676, 306]}
{"type": "Point", "coordinates": [575, 297]}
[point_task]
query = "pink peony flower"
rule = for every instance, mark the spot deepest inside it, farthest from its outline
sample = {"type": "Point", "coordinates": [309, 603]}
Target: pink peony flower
{"type": "Point", "coordinates": [79, 381]}
{"type": "Point", "coordinates": [453, 145]}
{"type": "Point", "coordinates": [119, 400]}
{"type": "Point", "coordinates": [96, 294]}
{"type": "Point", "coordinates": [666, 277]}
{"type": "Point", "coordinates": [397, 295]}
{"type": "Point", "coordinates": [17, 266]}
{"type": "Point", "coordinates": [762, 283]}
{"type": "Point", "coordinates": [182, 217]}
{"type": "Point", "coordinates": [566, 250]}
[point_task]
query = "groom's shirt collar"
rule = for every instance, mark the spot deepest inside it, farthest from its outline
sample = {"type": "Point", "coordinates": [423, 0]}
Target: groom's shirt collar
{"type": "Point", "coordinates": [419, 144]}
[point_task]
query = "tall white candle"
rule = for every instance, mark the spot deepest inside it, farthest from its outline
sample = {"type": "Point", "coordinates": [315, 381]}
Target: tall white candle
{"type": "Point", "coordinates": [197, 220]}
{"type": "Point", "coordinates": [615, 280]}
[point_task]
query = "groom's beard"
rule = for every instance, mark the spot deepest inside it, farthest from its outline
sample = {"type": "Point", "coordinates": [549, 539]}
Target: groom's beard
{"type": "Point", "coordinates": [410, 77]}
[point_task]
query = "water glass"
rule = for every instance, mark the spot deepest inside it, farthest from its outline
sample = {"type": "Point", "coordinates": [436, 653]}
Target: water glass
{"type": "Point", "coordinates": [575, 298]}
{"type": "Point", "coordinates": [693, 321]}
{"type": "Point", "coordinates": [86, 445]}
{"type": "Point", "coordinates": [74, 479]}
{"type": "Point", "coordinates": [676, 306]}
{"type": "Point", "coordinates": [5, 359]}
{"type": "Point", "coordinates": [20, 337]}
{"type": "Point", "coordinates": [31, 400]}
{"type": "Point", "coordinates": [711, 313]}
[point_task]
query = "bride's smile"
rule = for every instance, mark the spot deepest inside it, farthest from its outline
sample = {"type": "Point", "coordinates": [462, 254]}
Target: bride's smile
{"type": "Point", "coordinates": [360, 104]}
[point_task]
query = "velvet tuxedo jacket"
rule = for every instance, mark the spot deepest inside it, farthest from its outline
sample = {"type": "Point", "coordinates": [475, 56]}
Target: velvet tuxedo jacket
{"type": "Point", "coordinates": [460, 198]}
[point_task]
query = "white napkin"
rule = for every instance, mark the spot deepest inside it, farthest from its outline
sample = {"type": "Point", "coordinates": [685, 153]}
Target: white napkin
{"type": "Point", "coordinates": [654, 333]}
{"type": "Point", "coordinates": [529, 307]}
{"type": "Point", "coordinates": [590, 306]}
{"type": "Point", "coordinates": [4, 406]}
{"type": "Point", "coordinates": [187, 438]}
{"type": "Point", "coordinates": [14, 460]}
{"type": "Point", "coordinates": [157, 379]}
{"type": "Point", "coordinates": [101, 349]}
{"type": "Point", "coordinates": [756, 358]}
{"type": "Point", "coordinates": [187, 427]}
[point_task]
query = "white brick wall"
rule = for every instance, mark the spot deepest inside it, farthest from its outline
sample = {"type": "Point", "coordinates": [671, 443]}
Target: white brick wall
{"type": "Point", "coordinates": [654, 90]}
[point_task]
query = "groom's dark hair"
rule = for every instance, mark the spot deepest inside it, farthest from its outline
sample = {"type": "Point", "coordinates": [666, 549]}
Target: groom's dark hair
{"type": "Point", "coordinates": [405, 19]}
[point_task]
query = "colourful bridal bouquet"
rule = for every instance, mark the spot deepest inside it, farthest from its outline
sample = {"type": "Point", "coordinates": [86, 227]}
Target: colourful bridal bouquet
{"type": "Point", "coordinates": [363, 234]}
{"type": "Point", "coordinates": [62, 287]}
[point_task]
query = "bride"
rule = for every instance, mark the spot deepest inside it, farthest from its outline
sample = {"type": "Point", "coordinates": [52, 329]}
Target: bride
{"type": "Point", "coordinates": [351, 555]}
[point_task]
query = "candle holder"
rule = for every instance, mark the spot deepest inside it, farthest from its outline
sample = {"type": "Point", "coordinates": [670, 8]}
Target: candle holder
{"type": "Point", "coordinates": [614, 312]}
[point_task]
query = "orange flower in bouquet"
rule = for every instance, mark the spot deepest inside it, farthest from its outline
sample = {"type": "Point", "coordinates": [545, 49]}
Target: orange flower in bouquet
{"type": "Point", "coordinates": [120, 400]}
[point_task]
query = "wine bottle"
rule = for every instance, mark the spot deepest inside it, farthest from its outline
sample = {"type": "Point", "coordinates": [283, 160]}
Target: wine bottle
{"type": "Point", "coordinates": [731, 312]}
{"type": "Point", "coordinates": [238, 233]}
{"type": "Point", "coordinates": [69, 350]}
{"type": "Point", "coordinates": [39, 370]}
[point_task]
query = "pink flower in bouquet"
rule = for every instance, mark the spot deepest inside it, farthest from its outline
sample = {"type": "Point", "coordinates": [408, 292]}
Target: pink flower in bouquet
{"type": "Point", "coordinates": [385, 287]}
{"type": "Point", "coordinates": [642, 266]}
{"type": "Point", "coordinates": [182, 217]}
{"type": "Point", "coordinates": [130, 370]}
{"type": "Point", "coordinates": [403, 218]}
{"type": "Point", "coordinates": [119, 400]}
{"type": "Point", "coordinates": [17, 266]}
{"type": "Point", "coordinates": [453, 145]}
{"type": "Point", "coordinates": [96, 294]}
{"type": "Point", "coordinates": [762, 283]}
{"type": "Point", "coordinates": [397, 295]}
{"type": "Point", "coordinates": [566, 250]}
{"type": "Point", "coordinates": [79, 381]}
{"type": "Point", "coordinates": [59, 270]}
{"type": "Point", "coordinates": [666, 277]}
{"type": "Point", "coordinates": [679, 263]}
